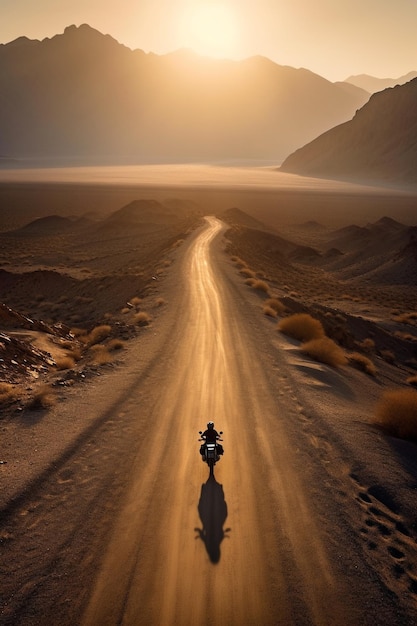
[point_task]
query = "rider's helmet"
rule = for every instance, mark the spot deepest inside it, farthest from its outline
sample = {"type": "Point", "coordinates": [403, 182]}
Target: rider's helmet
{"type": "Point", "coordinates": [210, 425]}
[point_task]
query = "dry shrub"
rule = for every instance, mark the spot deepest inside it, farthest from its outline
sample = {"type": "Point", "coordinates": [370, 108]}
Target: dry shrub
{"type": "Point", "coordinates": [261, 285]}
{"type": "Point", "coordinates": [250, 282]}
{"type": "Point", "coordinates": [276, 304]}
{"type": "Point", "coordinates": [405, 336]}
{"type": "Point", "coordinates": [367, 345]}
{"type": "Point", "coordinates": [8, 393]}
{"type": "Point", "coordinates": [396, 413]}
{"type": "Point", "coordinates": [78, 332]}
{"type": "Point", "coordinates": [245, 271]}
{"type": "Point", "coordinates": [159, 302]}
{"type": "Point", "coordinates": [301, 326]}
{"type": "Point", "coordinates": [407, 318]}
{"type": "Point", "coordinates": [135, 301]}
{"type": "Point", "coordinates": [388, 356]}
{"type": "Point", "coordinates": [75, 353]}
{"type": "Point", "coordinates": [142, 318]}
{"type": "Point", "coordinates": [267, 310]}
{"type": "Point", "coordinates": [44, 398]}
{"type": "Point", "coordinates": [65, 362]}
{"type": "Point", "coordinates": [412, 380]}
{"type": "Point", "coordinates": [115, 344]}
{"type": "Point", "coordinates": [125, 310]}
{"type": "Point", "coordinates": [100, 355]}
{"type": "Point", "coordinates": [362, 363]}
{"type": "Point", "coordinates": [98, 334]}
{"type": "Point", "coordinates": [239, 262]}
{"type": "Point", "coordinates": [325, 350]}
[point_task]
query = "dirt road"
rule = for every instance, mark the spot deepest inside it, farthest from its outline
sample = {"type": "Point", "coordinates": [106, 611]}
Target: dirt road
{"type": "Point", "coordinates": [253, 545]}
{"type": "Point", "coordinates": [244, 547]}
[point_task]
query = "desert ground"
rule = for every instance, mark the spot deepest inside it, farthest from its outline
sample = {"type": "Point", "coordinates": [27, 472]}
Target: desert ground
{"type": "Point", "coordinates": [133, 314]}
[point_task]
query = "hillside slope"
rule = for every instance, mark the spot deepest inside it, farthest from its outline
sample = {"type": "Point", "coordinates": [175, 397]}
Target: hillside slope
{"type": "Point", "coordinates": [379, 143]}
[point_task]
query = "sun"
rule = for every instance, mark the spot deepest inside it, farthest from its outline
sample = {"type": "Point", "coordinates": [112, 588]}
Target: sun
{"type": "Point", "coordinates": [210, 28]}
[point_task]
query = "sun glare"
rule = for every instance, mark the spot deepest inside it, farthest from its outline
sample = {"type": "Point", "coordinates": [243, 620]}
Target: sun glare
{"type": "Point", "coordinates": [210, 29]}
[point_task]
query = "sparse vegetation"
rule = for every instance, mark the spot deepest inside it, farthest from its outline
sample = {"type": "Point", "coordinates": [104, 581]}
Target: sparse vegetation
{"type": "Point", "coordinates": [396, 413]}
{"type": "Point", "coordinates": [115, 344]}
{"type": "Point", "coordinates": [362, 363]}
{"type": "Point", "coordinates": [44, 398]}
{"type": "Point", "coordinates": [269, 311]}
{"type": "Point", "coordinates": [325, 350]}
{"type": "Point", "coordinates": [8, 393]}
{"type": "Point", "coordinates": [276, 305]}
{"type": "Point", "coordinates": [100, 355]}
{"type": "Point", "coordinates": [135, 301]}
{"type": "Point", "coordinates": [98, 334]}
{"type": "Point", "coordinates": [407, 318]}
{"type": "Point", "coordinates": [261, 285]}
{"type": "Point", "coordinates": [245, 271]}
{"type": "Point", "coordinates": [388, 356]}
{"type": "Point", "coordinates": [65, 363]}
{"type": "Point", "coordinates": [159, 302]}
{"type": "Point", "coordinates": [142, 318]}
{"type": "Point", "coordinates": [367, 345]}
{"type": "Point", "coordinates": [301, 326]}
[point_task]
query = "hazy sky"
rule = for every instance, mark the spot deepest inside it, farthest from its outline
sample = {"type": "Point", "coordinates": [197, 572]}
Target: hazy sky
{"type": "Point", "coordinates": [334, 38]}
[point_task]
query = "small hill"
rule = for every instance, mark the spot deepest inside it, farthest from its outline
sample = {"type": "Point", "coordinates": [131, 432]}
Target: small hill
{"type": "Point", "coordinates": [384, 252]}
{"type": "Point", "coordinates": [378, 144]}
{"type": "Point", "coordinates": [44, 226]}
{"type": "Point", "coordinates": [238, 217]}
{"type": "Point", "coordinates": [139, 215]}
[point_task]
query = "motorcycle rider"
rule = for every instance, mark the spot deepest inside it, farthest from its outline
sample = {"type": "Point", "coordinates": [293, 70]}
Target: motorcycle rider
{"type": "Point", "coordinates": [211, 436]}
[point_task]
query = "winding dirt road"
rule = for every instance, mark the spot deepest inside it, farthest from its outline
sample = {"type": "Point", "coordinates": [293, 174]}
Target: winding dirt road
{"type": "Point", "coordinates": [244, 547]}
{"type": "Point", "coordinates": [263, 542]}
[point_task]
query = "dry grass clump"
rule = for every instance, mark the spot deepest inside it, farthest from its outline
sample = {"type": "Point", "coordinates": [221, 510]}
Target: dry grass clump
{"type": "Point", "coordinates": [407, 318]}
{"type": "Point", "coordinates": [8, 393]}
{"type": "Point", "coordinates": [301, 326]}
{"type": "Point", "coordinates": [325, 350]}
{"type": "Point", "coordinates": [367, 345]}
{"type": "Point", "coordinates": [65, 362]}
{"type": "Point", "coordinates": [98, 334]}
{"type": "Point", "coordinates": [388, 356]}
{"type": "Point", "coordinates": [135, 301]}
{"type": "Point", "coordinates": [115, 344]}
{"type": "Point", "coordinates": [269, 311]}
{"type": "Point", "coordinates": [44, 398]}
{"type": "Point", "coordinates": [100, 355]}
{"type": "Point", "coordinates": [125, 310]}
{"type": "Point", "coordinates": [78, 332]}
{"type": "Point", "coordinates": [261, 285]}
{"type": "Point", "coordinates": [160, 302]}
{"type": "Point", "coordinates": [412, 380]}
{"type": "Point", "coordinates": [396, 413]}
{"type": "Point", "coordinates": [240, 263]}
{"type": "Point", "coordinates": [142, 318]}
{"type": "Point", "coordinates": [362, 363]}
{"type": "Point", "coordinates": [276, 304]}
{"type": "Point", "coordinates": [405, 336]}
{"type": "Point", "coordinates": [250, 282]}
{"type": "Point", "coordinates": [245, 271]}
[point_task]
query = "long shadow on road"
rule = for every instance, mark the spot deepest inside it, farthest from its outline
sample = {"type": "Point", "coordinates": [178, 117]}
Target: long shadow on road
{"type": "Point", "coordinates": [212, 509]}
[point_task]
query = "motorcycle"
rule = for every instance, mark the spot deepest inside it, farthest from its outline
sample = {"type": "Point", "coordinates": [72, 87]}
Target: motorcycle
{"type": "Point", "coordinates": [210, 451]}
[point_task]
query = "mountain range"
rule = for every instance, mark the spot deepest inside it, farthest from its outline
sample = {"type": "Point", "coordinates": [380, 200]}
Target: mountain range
{"type": "Point", "coordinates": [373, 84]}
{"type": "Point", "coordinates": [378, 144]}
{"type": "Point", "coordinates": [82, 95]}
